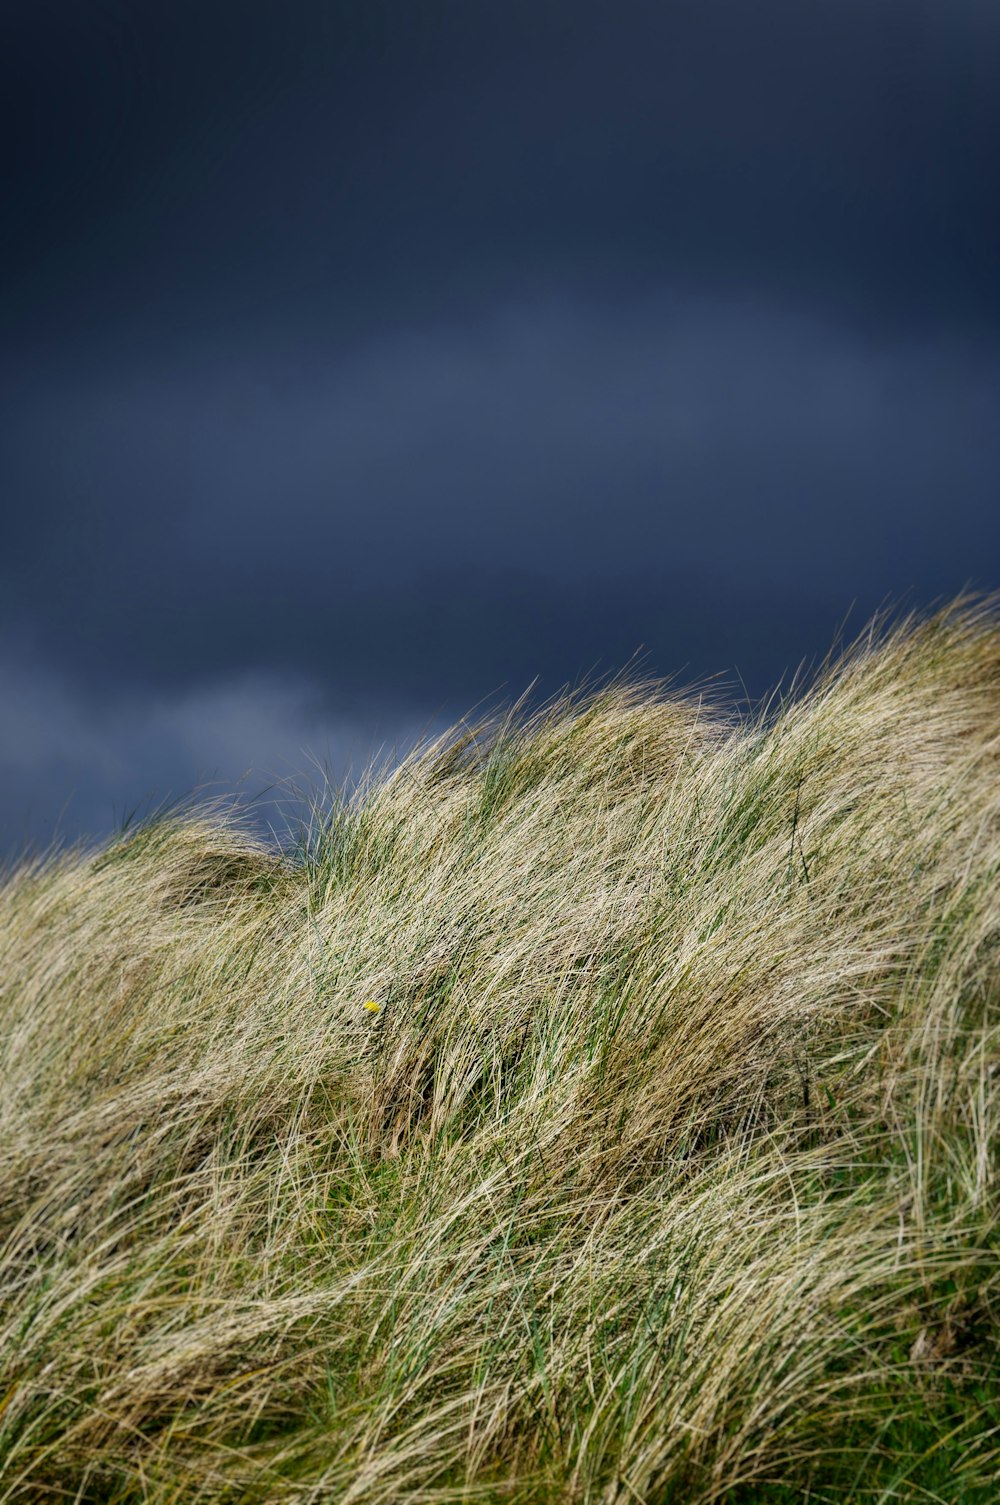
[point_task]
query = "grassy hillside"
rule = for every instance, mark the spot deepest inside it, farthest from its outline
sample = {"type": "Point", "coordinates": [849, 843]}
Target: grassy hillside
{"type": "Point", "coordinates": [604, 1108]}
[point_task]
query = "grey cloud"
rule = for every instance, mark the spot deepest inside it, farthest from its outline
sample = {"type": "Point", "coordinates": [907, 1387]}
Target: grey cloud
{"type": "Point", "coordinates": [230, 168]}
{"type": "Point", "coordinates": [393, 356]}
{"type": "Point", "coordinates": [70, 768]}
{"type": "Point", "coordinates": [218, 517]}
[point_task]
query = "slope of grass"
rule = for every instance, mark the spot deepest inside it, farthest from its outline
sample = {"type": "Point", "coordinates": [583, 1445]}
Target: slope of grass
{"type": "Point", "coordinates": [603, 1107]}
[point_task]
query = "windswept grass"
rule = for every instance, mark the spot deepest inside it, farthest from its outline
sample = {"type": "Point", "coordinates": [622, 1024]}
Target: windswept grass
{"type": "Point", "coordinates": [664, 1171]}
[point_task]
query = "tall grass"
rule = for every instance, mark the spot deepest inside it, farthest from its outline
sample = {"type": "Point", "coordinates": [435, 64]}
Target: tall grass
{"type": "Point", "coordinates": [665, 1168]}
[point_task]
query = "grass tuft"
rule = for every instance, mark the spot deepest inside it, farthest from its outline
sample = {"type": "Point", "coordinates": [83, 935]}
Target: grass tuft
{"type": "Point", "coordinates": [602, 1106]}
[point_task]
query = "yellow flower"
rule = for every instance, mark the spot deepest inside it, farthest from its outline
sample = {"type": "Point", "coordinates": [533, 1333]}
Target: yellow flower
{"type": "Point", "coordinates": [372, 1006]}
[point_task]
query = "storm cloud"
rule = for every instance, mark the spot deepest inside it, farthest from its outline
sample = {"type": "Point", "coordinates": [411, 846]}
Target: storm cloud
{"type": "Point", "coordinates": [362, 363]}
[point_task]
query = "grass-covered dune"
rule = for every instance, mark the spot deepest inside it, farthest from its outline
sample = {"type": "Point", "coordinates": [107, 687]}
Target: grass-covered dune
{"type": "Point", "coordinates": [603, 1107]}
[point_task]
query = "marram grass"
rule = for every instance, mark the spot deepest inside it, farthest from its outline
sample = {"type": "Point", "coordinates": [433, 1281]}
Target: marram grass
{"type": "Point", "coordinates": [602, 1107]}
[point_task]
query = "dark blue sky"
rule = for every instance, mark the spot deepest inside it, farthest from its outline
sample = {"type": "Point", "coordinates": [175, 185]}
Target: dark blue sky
{"type": "Point", "coordinates": [364, 361]}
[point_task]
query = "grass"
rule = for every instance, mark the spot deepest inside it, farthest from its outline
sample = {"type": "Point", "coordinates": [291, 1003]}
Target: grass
{"type": "Point", "coordinates": [665, 1171]}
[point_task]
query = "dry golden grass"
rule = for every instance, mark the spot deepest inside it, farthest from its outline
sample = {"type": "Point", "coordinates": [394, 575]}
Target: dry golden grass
{"type": "Point", "coordinates": [664, 1170]}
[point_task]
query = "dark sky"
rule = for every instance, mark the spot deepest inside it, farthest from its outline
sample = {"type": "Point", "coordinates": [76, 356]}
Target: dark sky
{"type": "Point", "coordinates": [364, 361]}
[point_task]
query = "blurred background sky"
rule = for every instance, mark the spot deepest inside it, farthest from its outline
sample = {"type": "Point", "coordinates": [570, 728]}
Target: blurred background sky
{"type": "Point", "coordinates": [364, 361]}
